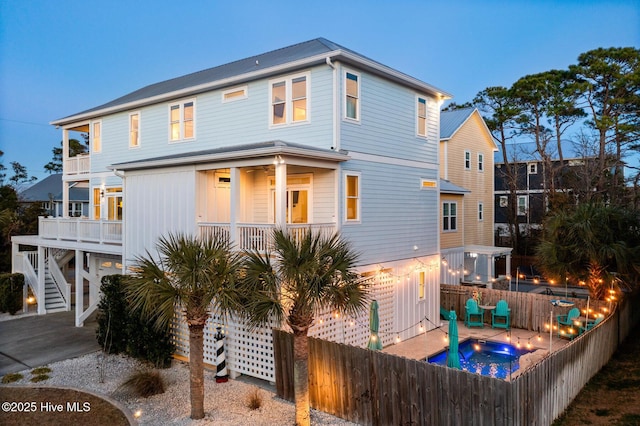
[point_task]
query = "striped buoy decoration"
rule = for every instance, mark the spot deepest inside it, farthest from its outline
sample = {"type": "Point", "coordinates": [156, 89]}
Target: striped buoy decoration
{"type": "Point", "coordinates": [221, 373]}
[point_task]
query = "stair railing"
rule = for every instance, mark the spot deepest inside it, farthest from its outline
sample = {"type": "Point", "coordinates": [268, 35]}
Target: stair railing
{"type": "Point", "coordinates": [58, 279]}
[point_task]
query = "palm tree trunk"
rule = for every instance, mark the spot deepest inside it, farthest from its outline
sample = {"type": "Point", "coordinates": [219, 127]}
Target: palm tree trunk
{"type": "Point", "coordinates": [196, 369]}
{"type": "Point", "coordinates": [301, 377]}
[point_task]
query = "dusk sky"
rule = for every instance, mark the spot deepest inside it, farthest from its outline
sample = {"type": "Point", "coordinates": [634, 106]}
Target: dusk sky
{"type": "Point", "coordinates": [61, 57]}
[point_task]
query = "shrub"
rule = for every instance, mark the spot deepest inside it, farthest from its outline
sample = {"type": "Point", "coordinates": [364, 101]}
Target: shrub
{"type": "Point", "coordinates": [145, 383]}
{"type": "Point", "coordinates": [254, 399]}
{"type": "Point", "coordinates": [122, 330]}
{"type": "Point", "coordinates": [40, 370]}
{"type": "Point", "coordinates": [11, 377]}
{"type": "Point", "coordinates": [11, 287]}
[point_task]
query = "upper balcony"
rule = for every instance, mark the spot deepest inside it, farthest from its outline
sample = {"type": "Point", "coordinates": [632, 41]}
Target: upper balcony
{"type": "Point", "coordinates": [78, 165]}
{"type": "Point", "coordinates": [81, 230]}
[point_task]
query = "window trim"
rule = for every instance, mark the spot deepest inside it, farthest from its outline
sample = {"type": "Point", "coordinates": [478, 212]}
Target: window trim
{"type": "Point", "coordinates": [136, 146]}
{"type": "Point", "coordinates": [426, 109]}
{"type": "Point", "coordinates": [480, 212]}
{"type": "Point", "coordinates": [480, 162]}
{"type": "Point", "coordinates": [358, 98]}
{"type": "Point", "coordinates": [244, 95]}
{"type": "Point", "coordinates": [358, 197]}
{"type": "Point", "coordinates": [467, 159]}
{"type": "Point", "coordinates": [97, 150]}
{"type": "Point", "coordinates": [449, 216]}
{"type": "Point", "coordinates": [526, 205]}
{"type": "Point", "coordinates": [532, 168]}
{"type": "Point", "coordinates": [288, 102]}
{"type": "Point", "coordinates": [181, 104]}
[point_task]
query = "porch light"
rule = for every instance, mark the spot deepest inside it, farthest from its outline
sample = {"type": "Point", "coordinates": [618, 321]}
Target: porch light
{"type": "Point", "coordinates": [31, 300]}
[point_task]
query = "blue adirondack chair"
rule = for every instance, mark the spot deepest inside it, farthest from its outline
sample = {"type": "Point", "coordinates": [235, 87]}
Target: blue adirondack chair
{"type": "Point", "coordinates": [590, 325]}
{"type": "Point", "coordinates": [567, 321]}
{"type": "Point", "coordinates": [474, 315]}
{"type": "Point", "coordinates": [501, 315]}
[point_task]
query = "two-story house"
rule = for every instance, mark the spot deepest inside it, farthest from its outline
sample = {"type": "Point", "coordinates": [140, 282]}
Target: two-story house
{"type": "Point", "coordinates": [466, 200]}
{"type": "Point", "coordinates": [312, 135]}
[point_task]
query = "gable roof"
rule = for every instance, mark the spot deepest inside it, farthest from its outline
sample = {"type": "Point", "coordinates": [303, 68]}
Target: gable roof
{"type": "Point", "coordinates": [452, 121]}
{"type": "Point", "coordinates": [312, 52]}
{"type": "Point", "coordinates": [51, 188]}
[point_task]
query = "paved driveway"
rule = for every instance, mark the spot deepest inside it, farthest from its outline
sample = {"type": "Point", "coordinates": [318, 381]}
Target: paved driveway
{"type": "Point", "coordinates": [34, 341]}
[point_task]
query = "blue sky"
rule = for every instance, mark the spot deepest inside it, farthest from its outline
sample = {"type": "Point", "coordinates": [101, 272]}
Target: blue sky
{"type": "Point", "coordinates": [60, 57]}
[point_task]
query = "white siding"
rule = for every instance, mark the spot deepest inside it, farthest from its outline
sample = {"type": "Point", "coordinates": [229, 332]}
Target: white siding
{"type": "Point", "coordinates": [157, 202]}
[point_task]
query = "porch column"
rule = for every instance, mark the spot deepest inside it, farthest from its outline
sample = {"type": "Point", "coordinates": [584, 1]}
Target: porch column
{"type": "Point", "coordinates": [508, 265]}
{"type": "Point", "coordinates": [79, 287]}
{"type": "Point", "coordinates": [41, 293]}
{"type": "Point", "coordinates": [234, 208]}
{"type": "Point", "coordinates": [65, 184]}
{"type": "Point", "coordinates": [281, 192]}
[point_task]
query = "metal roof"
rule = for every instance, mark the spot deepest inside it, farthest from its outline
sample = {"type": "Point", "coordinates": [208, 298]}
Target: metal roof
{"type": "Point", "coordinates": [451, 188]}
{"type": "Point", "coordinates": [450, 121]}
{"type": "Point", "coordinates": [51, 187]}
{"type": "Point", "coordinates": [237, 152]}
{"type": "Point", "coordinates": [297, 56]}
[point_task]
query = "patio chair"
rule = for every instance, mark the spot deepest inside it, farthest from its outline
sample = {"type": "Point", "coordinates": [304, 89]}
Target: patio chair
{"type": "Point", "coordinates": [566, 322]}
{"type": "Point", "coordinates": [590, 325]}
{"type": "Point", "coordinates": [474, 315]}
{"type": "Point", "coordinates": [501, 315]}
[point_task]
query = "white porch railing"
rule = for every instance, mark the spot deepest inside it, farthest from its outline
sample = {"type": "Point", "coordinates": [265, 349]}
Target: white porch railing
{"type": "Point", "coordinates": [80, 164]}
{"type": "Point", "coordinates": [74, 229]}
{"type": "Point", "coordinates": [258, 236]}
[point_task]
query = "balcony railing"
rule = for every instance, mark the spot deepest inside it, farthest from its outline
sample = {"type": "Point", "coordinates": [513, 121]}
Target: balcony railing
{"type": "Point", "coordinates": [78, 165]}
{"type": "Point", "coordinates": [86, 230]}
{"type": "Point", "coordinates": [259, 236]}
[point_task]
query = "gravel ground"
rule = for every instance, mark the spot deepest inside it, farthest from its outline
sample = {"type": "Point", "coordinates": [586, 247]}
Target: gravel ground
{"type": "Point", "coordinates": [224, 402]}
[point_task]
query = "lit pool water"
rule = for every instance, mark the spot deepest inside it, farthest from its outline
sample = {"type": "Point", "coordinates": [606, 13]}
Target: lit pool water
{"type": "Point", "coordinates": [493, 359]}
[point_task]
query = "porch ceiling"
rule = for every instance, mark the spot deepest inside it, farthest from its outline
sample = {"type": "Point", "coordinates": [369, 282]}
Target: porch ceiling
{"type": "Point", "coordinates": [236, 153]}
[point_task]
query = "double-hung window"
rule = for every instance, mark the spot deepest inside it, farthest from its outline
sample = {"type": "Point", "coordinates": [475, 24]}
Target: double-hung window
{"type": "Point", "coordinates": [181, 121]}
{"type": "Point", "coordinates": [480, 212]}
{"type": "Point", "coordinates": [522, 205]}
{"type": "Point", "coordinates": [449, 216]}
{"type": "Point", "coordinates": [352, 197]}
{"type": "Point", "coordinates": [352, 96]}
{"type": "Point", "coordinates": [289, 100]}
{"type": "Point", "coordinates": [421, 119]}
{"type": "Point", "coordinates": [480, 162]}
{"type": "Point", "coordinates": [467, 160]}
{"type": "Point", "coordinates": [134, 130]}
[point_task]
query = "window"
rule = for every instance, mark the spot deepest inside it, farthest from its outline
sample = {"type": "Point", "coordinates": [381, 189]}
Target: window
{"type": "Point", "coordinates": [480, 162]}
{"type": "Point", "coordinates": [467, 160]}
{"type": "Point", "coordinates": [421, 284]}
{"type": "Point", "coordinates": [504, 201]}
{"type": "Point", "coordinates": [533, 168]}
{"type": "Point", "coordinates": [352, 96]}
{"type": "Point", "coordinates": [234, 94]}
{"type": "Point", "coordinates": [181, 117]}
{"type": "Point", "coordinates": [114, 203]}
{"type": "Point", "coordinates": [480, 212]}
{"type": "Point", "coordinates": [75, 209]}
{"type": "Point", "coordinates": [522, 205]}
{"type": "Point", "coordinates": [449, 216]}
{"type": "Point", "coordinates": [134, 130]}
{"type": "Point", "coordinates": [352, 197]}
{"type": "Point", "coordinates": [96, 136]}
{"type": "Point", "coordinates": [428, 184]}
{"type": "Point", "coordinates": [97, 201]}
{"type": "Point", "coordinates": [289, 100]}
{"type": "Point", "coordinates": [422, 117]}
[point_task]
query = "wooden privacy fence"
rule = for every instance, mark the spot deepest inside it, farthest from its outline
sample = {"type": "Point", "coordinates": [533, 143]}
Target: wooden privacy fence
{"type": "Point", "coordinates": [375, 388]}
{"type": "Point", "coordinates": [529, 311]}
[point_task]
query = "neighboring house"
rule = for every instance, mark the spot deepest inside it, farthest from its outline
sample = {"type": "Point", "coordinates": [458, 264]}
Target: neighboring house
{"type": "Point", "coordinates": [533, 188]}
{"type": "Point", "coordinates": [312, 135]}
{"type": "Point", "coordinates": [48, 192]}
{"type": "Point", "coordinates": [466, 200]}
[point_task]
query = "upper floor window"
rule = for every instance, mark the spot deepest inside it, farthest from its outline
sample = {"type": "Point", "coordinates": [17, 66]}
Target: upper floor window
{"type": "Point", "coordinates": [234, 94]}
{"type": "Point", "coordinates": [134, 130]}
{"type": "Point", "coordinates": [449, 216]}
{"type": "Point", "coordinates": [96, 136]}
{"type": "Point", "coordinates": [352, 96]}
{"type": "Point", "coordinates": [480, 162]}
{"type": "Point", "coordinates": [480, 212]}
{"type": "Point", "coordinates": [289, 100]}
{"type": "Point", "coordinates": [352, 197]}
{"type": "Point", "coordinates": [181, 121]}
{"type": "Point", "coordinates": [467, 160]}
{"type": "Point", "coordinates": [422, 117]}
{"type": "Point", "coordinates": [522, 205]}
{"type": "Point", "coordinates": [533, 168]}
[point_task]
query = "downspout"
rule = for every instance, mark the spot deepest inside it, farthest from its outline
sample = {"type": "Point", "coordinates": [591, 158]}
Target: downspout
{"type": "Point", "coordinates": [122, 176]}
{"type": "Point", "coordinates": [336, 142]}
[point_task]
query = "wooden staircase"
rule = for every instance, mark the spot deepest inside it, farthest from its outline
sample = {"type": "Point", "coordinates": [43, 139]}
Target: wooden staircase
{"type": "Point", "coordinates": [53, 299]}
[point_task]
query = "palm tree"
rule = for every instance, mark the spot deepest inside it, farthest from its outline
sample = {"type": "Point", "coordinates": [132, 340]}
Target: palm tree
{"type": "Point", "coordinates": [190, 273]}
{"type": "Point", "coordinates": [305, 276]}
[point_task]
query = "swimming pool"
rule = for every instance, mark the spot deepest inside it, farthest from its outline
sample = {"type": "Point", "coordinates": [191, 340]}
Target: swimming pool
{"type": "Point", "coordinates": [493, 359]}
